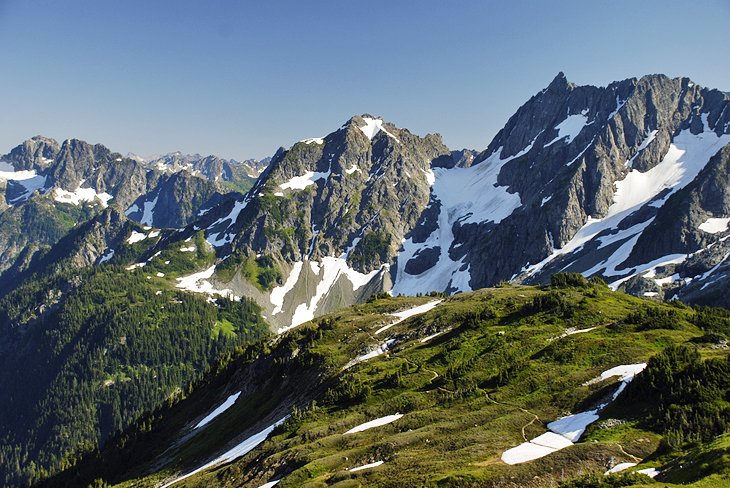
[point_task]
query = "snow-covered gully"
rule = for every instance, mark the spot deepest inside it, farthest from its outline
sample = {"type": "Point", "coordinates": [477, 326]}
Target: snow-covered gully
{"type": "Point", "coordinates": [234, 453]}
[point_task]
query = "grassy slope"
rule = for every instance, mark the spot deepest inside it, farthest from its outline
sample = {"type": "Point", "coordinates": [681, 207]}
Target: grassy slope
{"type": "Point", "coordinates": [467, 396]}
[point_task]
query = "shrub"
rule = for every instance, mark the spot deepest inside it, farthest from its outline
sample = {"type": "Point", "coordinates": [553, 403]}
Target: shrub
{"type": "Point", "coordinates": [565, 280]}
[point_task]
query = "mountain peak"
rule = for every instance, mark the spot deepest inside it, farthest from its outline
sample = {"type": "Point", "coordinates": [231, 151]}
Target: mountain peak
{"type": "Point", "coordinates": [560, 82]}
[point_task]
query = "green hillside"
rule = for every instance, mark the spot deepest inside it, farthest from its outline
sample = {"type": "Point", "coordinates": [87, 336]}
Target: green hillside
{"type": "Point", "coordinates": [102, 346]}
{"type": "Point", "coordinates": [477, 375]}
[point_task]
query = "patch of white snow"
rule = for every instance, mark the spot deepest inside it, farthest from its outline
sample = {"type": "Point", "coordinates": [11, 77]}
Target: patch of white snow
{"type": "Point", "coordinates": [366, 466]}
{"type": "Point", "coordinates": [218, 410]}
{"type": "Point", "coordinates": [375, 423]}
{"type": "Point", "coordinates": [715, 225]}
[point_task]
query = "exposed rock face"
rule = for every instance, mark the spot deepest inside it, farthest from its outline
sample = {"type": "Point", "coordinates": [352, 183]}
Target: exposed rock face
{"type": "Point", "coordinates": [331, 213]}
{"type": "Point", "coordinates": [59, 186]}
{"type": "Point", "coordinates": [575, 178]}
{"type": "Point", "coordinates": [36, 153]}
{"type": "Point", "coordinates": [176, 200]}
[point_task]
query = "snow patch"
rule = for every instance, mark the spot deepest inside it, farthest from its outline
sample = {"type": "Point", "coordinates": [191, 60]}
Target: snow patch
{"type": "Point", "coordinates": [198, 283]}
{"type": "Point", "coordinates": [570, 127]}
{"type": "Point", "coordinates": [375, 352]}
{"type": "Point", "coordinates": [278, 293]}
{"type": "Point", "coordinates": [642, 146]}
{"type": "Point", "coordinates": [218, 410]}
{"type": "Point", "coordinates": [650, 472]}
{"type": "Point", "coordinates": [433, 336]}
{"type": "Point", "coordinates": [373, 126]}
{"type": "Point", "coordinates": [572, 331]}
{"type": "Point", "coordinates": [352, 169]}
{"type": "Point", "coordinates": [81, 195]}
{"type": "Point", "coordinates": [329, 271]}
{"type": "Point", "coordinates": [28, 179]}
{"type": "Point", "coordinates": [565, 431]}
{"type": "Point", "coordinates": [375, 423]}
{"type": "Point", "coordinates": [136, 237]}
{"type": "Point", "coordinates": [148, 212]}
{"type": "Point", "coordinates": [405, 314]}
{"type": "Point", "coordinates": [305, 180]}
{"type": "Point", "coordinates": [224, 237]}
{"type": "Point", "coordinates": [625, 372]}
{"type": "Point", "coordinates": [619, 467]}
{"type": "Point", "coordinates": [715, 225]}
{"type": "Point", "coordinates": [108, 254]}
{"type": "Point", "coordinates": [234, 453]}
{"type": "Point", "coordinates": [366, 466]}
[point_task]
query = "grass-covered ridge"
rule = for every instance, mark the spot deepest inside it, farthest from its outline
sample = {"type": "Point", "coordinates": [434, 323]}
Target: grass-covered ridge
{"type": "Point", "coordinates": [477, 375]}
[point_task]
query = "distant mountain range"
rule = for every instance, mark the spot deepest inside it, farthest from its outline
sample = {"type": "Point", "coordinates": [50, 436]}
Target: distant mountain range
{"type": "Point", "coordinates": [47, 187]}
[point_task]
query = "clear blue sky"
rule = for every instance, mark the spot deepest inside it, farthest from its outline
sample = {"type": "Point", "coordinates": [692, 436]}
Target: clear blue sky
{"type": "Point", "coordinates": [241, 78]}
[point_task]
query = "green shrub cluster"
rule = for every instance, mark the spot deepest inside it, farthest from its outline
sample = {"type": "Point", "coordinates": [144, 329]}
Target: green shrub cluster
{"type": "Point", "coordinates": [649, 318]}
{"type": "Point", "coordinates": [687, 397]}
{"type": "Point", "coordinates": [566, 280]}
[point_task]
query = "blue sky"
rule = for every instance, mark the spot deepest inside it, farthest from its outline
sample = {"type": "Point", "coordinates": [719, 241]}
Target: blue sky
{"type": "Point", "coordinates": [239, 79]}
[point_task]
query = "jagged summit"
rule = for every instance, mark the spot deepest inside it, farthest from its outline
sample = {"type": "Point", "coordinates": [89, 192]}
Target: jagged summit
{"type": "Point", "coordinates": [559, 83]}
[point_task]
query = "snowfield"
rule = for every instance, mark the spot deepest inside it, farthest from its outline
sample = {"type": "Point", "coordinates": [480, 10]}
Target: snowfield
{"type": "Point", "coordinates": [466, 195]}
{"type": "Point", "coordinates": [566, 431]}
{"type": "Point", "coordinates": [687, 155]}
{"type": "Point", "coordinates": [375, 423]}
